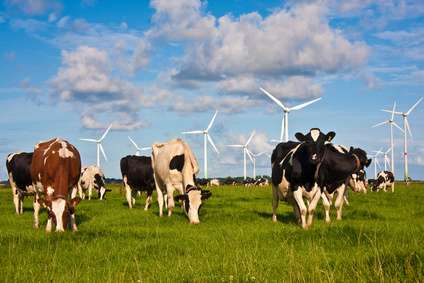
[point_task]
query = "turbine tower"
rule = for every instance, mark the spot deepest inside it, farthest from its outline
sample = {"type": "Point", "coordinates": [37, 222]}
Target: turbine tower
{"type": "Point", "coordinates": [139, 149]}
{"type": "Point", "coordinates": [206, 138]}
{"type": "Point", "coordinates": [391, 123]}
{"type": "Point", "coordinates": [252, 157]}
{"type": "Point", "coordinates": [284, 136]}
{"type": "Point", "coordinates": [245, 152]}
{"type": "Point", "coordinates": [376, 162]}
{"type": "Point", "coordinates": [406, 129]}
{"type": "Point", "coordinates": [99, 145]}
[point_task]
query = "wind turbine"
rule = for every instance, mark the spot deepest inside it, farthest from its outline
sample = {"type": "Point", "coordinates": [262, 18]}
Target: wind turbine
{"type": "Point", "coordinates": [392, 123]}
{"type": "Point", "coordinates": [376, 162]}
{"type": "Point", "coordinates": [285, 121]}
{"type": "Point", "coordinates": [206, 138]}
{"type": "Point", "coordinates": [406, 128]}
{"type": "Point", "coordinates": [252, 157]}
{"type": "Point", "coordinates": [387, 160]}
{"type": "Point", "coordinates": [245, 151]}
{"type": "Point", "coordinates": [139, 149]}
{"type": "Point", "coordinates": [99, 145]}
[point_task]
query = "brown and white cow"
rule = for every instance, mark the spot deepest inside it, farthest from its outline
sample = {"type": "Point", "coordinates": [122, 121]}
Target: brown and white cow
{"type": "Point", "coordinates": [55, 171]}
{"type": "Point", "coordinates": [175, 166]}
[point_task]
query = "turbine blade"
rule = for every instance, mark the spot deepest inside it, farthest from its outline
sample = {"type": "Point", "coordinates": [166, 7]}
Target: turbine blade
{"type": "Point", "coordinates": [211, 122]}
{"type": "Point", "coordinates": [212, 143]}
{"type": "Point", "coordinates": [279, 103]}
{"type": "Point", "coordinates": [380, 124]}
{"type": "Point", "coordinates": [415, 105]}
{"type": "Point", "coordinates": [300, 106]}
{"type": "Point", "coordinates": [105, 133]}
{"type": "Point", "coordinates": [103, 152]}
{"type": "Point", "coordinates": [393, 111]}
{"type": "Point", "coordinates": [397, 126]}
{"type": "Point", "coordinates": [146, 148]}
{"type": "Point", "coordinates": [387, 151]}
{"type": "Point", "coordinates": [192, 132]}
{"type": "Point", "coordinates": [273, 140]}
{"type": "Point", "coordinates": [250, 138]}
{"type": "Point", "coordinates": [249, 154]}
{"type": "Point", "coordinates": [89, 140]}
{"type": "Point", "coordinates": [390, 111]}
{"type": "Point", "coordinates": [234, 145]}
{"type": "Point", "coordinates": [133, 142]}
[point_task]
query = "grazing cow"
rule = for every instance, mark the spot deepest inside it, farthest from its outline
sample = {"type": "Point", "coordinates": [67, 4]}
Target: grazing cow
{"type": "Point", "coordinates": [175, 166]}
{"type": "Point", "coordinates": [384, 179]}
{"type": "Point", "coordinates": [334, 172]}
{"type": "Point", "coordinates": [92, 177]}
{"type": "Point", "coordinates": [19, 170]}
{"type": "Point", "coordinates": [262, 182]}
{"type": "Point", "coordinates": [55, 171]}
{"type": "Point", "coordinates": [214, 182]}
{"type": "Point", "coordinates": [293, 173]}
{"type": "Point", "coordinates": [201, 181]}
{"type": "Point", "coordinates": [359, 182]}
{"type": "Point", "coordinates": [249, 182]}
{"type": "Point", "coordinates": [137, 175]}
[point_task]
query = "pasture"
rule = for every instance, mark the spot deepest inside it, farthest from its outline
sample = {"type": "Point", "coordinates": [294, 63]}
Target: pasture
{"type": "Point", "coordinates": [380, 239]}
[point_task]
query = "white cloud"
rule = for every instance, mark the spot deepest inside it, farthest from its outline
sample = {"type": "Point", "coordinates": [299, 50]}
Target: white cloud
{"type": "Point", "coordinates": [35, 7]}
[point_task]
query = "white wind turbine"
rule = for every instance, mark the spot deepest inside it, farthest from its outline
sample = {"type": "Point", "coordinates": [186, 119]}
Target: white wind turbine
{"type": "Point", "coordinates": [139, 149]}
{"type": "Point", "coordinates": [245, 152]}
{"type": "Point", "coordinates": [392, 123]}
{"type": "Point", "coordinates": [206, 138]}
{"type": "Point", "coordinates": [284, 136]}
{"type": "Point", "coordinates": [406, 128]}
{"type": "Point", "coordinates": [252, 157]}
{"type": "Point", "coordinates": [387, 160]}
{"type": "Point", "coordinates": [376, 162]}
{"type": "Point", "coordinates": [99, 145]}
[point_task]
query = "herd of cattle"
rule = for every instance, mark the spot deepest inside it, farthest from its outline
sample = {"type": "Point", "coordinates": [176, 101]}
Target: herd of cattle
{"type": "Point", "coordinates": [312, 168]}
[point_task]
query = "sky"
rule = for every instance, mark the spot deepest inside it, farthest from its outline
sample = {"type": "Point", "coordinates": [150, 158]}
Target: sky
{"type": "Point", "coordinates": [156, 68]}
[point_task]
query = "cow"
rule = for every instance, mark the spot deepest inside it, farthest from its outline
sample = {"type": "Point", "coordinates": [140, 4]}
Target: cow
{"type": "Point", "coordinates": [214, 182]}
{"type": "Point", "coordinates": [249, 182]}
{"type": "Point", "coordinates": [293, 173]}
{"type": "Point", "coordinates": [359, 182]}
{"type": "Point", "coordinates": [19, 170]}
{"type": "Point", "coordinates": [92, 177]}
{"type": "Point", "coordinates": [384, 179]}
{"type": "Point", "coordinates": [262, 182]}
{"type": "Point", "coordinates": [175, 167]}
{"type": "Point", "coordinates": [137, 176]}
{"type": "Point", "coordinates": [55, 171]}
{"type": "Point", "coordinates": [334, 172]}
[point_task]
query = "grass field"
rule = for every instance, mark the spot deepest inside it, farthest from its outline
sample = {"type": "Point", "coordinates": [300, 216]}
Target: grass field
{"type": "Point", "coordinates": [380, 239]}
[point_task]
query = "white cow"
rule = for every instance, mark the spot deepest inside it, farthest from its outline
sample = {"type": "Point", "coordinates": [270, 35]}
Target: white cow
{"type": "Point", "coordinates": [214, 182]}
{"type": "Point", "coordinates": [92, 177]}
{"type": "Point", "coordinates": [175, 166]}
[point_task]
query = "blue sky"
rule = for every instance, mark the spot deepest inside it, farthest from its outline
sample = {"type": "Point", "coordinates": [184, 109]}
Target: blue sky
{"type": "Point", "coordinates": [157, 68]}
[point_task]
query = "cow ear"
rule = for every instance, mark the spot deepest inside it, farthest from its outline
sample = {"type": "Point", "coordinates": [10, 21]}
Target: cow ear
{"type": "Point", "coordinates": [330, 136]}
{"type": "Point", "coordinates": [300, 137]}
{"type": "Point", "coordinates": [368, 163]}
{"type": "Point", "coordinates": [75, 201]}
{"type": "Point", "coordinates": [206, 194]}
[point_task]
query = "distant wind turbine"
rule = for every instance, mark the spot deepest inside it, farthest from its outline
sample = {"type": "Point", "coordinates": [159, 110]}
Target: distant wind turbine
{"type": "Point", "coordinates": [245, 152]}
{"type": "Point", "coordinates": [376, 162]}
{"type": "Point", "coordinates": [99, 145]}
{"type": "Point", "coordinates": [139, 149]}
{"type": "Point", "coordinates": [252, 157]}
{"type": "Point", "coordinates": [284, 136]}
{"type": "Point", "coordinates": [406, 129]}
{"type": "Point", "coordinates": [206, 138]}
{"type": "Point", "coordinates": [391, 123]}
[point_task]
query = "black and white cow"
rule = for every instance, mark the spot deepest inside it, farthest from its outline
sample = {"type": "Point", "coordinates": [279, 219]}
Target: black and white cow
{"type": "Point", "coordinates": [294, 165]}
{"type": "Point", "coordinates": [261, 182]}
{"type": "Point", "coordinates": [175, 166]}
{"type": "Point", "coordinates": [92, 177]}
{"type": "Point", "coordinates": [334, 173]}
{"type": "Point", "coordinates": [359, 182]}
{"type": "Point", "coordinates": [137, 175]}
{"type": "Point", "coordinates": [19, 170]}
{"type": "Point", "coordinates": [384, 179]}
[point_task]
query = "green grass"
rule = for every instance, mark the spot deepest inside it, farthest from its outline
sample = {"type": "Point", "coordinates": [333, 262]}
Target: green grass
{"type": "Point", "coordinates": [381, 238]}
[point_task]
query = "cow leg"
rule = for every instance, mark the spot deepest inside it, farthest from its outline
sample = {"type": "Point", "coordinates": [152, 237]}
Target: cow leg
{"type": "Point", "coordinates": [298, 196]}
{"type": "Point", "coordinates": [80, 192]}
{"type": "Point", "coordinates": [339, 201]}
{"type": "Point", "coordinates": [90, 189]}
{"type": "Point", "coordinates": [73, 222]}
{"type": "Point", "coordinates": [316, 194]}
{"type": "Point", "coordinates": [393, 187]}
{"type": "Point", "coordinates": [326, 205]}
{"type": "Point", "coordinates": [345, 195]}
{"type": "Point", "coordinates": [148, 199]}
{"type": "Point", "coordinates": [275, 201]}
{"type": "Point", "coordinates": [160, 201]}
{"type": "Point", "coordinates": [128, 194]}
{"type": "Point", "coordinates": [15, 193]}
{"type": "Point", "coordinates": [170, 196]}
{"type": "Point", "coordinates": [36, 210]}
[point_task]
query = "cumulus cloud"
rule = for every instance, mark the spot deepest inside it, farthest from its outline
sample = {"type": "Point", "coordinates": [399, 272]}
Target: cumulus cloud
{"type": "Point", "coordinates": [35, 7]}
{"type": "Point", "coordinates": [228, 104]}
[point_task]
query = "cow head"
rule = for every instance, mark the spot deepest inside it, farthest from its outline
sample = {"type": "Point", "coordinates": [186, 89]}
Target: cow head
{"type": "Point", "coordinates": [314, 143]}
{"type": "Point", "coordinates": [59, 210]}
{"type": "Point", "coordinates": [362, 157]}
{"type": "Point", "coordinates": [192, 201]}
